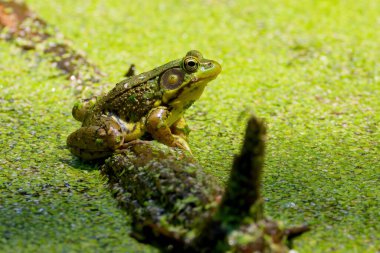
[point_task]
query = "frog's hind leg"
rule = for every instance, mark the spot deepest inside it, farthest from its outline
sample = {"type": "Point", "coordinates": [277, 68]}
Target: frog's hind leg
{"type": "Point", "coordinates": [94, 142]}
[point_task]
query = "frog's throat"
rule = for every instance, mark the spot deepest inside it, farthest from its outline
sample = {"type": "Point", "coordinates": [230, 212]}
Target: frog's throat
{"type": "Point", "coordinates": [186, 96]}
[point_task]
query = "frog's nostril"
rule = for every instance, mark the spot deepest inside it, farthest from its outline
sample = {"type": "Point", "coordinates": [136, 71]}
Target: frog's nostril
{"type": "Point", "coordinates": [208, 65]}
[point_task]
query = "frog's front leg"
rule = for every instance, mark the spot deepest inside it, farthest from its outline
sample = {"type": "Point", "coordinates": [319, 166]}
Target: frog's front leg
{"type": "Point", "coordinates": [94, 142]}
{"type": "Point", "coordinates": [158, 126]}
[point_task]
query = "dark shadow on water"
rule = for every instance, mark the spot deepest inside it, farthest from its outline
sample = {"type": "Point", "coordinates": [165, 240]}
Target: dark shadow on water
{"type": "Point", "coordinates": [80, 164]}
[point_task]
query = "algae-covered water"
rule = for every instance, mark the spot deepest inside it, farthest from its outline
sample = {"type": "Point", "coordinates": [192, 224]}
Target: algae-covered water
{"type": "Point", "coordinates": [311, 69]}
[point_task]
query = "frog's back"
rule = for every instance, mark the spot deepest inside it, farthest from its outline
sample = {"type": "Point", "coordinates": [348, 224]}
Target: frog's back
{"type": "Point", "coordinates": [133, 81]}
{"type": "Point", "coordinates": [132, 98]}
{"type": "Point", "coordinates": [136, 102]}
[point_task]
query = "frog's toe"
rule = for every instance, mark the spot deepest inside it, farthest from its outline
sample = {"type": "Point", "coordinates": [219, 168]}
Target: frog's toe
{"type": "Point", "coordinates": [179, 142]}
{"type": "Point", "coordinates": [129, 144]}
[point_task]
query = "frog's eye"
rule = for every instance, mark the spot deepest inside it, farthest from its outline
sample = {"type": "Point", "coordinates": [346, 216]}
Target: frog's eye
{"type": "Point", "coordinates": [172, 78]}
{"type": "Point", "coordinates": [190, 64]}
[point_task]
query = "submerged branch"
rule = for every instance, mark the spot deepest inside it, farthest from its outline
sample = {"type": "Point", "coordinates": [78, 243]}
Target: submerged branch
{"type": "Point", "coordinates": [20, 25]}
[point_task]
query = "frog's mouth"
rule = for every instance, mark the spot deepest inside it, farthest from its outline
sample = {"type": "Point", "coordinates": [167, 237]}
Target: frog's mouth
{"type": "Point", "coordinates": [209, 70]}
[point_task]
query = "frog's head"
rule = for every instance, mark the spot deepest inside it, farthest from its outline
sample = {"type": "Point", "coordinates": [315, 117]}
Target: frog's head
{"type": "Point", "coordinates": [184, 83]}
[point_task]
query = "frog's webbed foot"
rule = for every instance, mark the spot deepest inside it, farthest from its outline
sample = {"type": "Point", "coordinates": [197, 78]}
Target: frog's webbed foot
{"type": "Point", "coordinates": [181, 143]}
{"type": "Point", "coordinates": [160, 130]}
{"type": "Point", "coordinates": [129, 144]}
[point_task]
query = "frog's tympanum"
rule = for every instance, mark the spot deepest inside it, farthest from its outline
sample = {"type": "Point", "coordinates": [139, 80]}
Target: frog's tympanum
{"type": "Point", "coordinates": [149, 104]}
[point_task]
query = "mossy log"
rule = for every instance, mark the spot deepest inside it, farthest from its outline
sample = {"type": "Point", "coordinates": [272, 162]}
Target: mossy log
{"type": "Point", "coordinates": [177, 207]}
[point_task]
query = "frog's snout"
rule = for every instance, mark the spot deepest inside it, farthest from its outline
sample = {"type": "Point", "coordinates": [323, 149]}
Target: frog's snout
{"type": "Point", "coordinates": [211, 68]}
{"type": "Point", "coordinates": [217, 67]}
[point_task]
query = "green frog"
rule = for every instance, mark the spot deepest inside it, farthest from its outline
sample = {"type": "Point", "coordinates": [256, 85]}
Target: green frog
{"type": "Point", "coordinates": [149, 104]}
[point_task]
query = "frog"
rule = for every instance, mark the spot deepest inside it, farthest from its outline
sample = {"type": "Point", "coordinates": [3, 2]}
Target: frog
{"type": "Point", "coordinates": [150, 105]}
